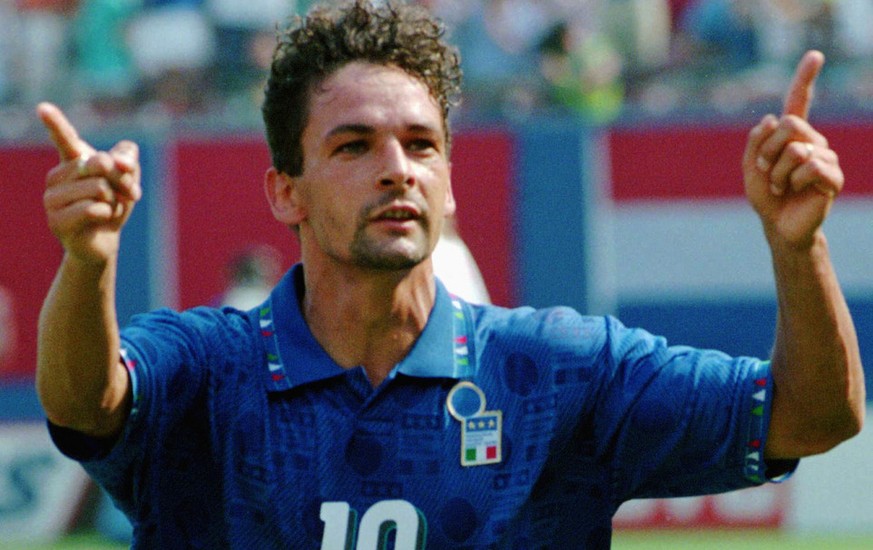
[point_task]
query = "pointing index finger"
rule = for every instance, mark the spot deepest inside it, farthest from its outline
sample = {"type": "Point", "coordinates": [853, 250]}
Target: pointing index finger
{"type": "Point", "coordinates": [62, 133]}
{"type": "Point", "coordinates": [800, 92]}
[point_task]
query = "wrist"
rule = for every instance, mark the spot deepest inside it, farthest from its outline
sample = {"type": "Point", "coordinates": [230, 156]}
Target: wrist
{"type": "Point", "coordinates": [796, 262]}
{"type": "Point", "coordinates": [86, 267]}
{"type": "Point", "coordinates": [791, 244]}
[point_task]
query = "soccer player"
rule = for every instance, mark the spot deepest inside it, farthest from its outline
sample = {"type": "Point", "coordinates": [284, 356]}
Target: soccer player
{"type": "Point", "coordinates": [363, 406]}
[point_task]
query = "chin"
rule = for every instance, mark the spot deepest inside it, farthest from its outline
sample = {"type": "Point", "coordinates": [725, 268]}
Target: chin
{"type": "Point", "coordinates": [390, 263]}
{"type": "Point", "coordinates": [389, 258]}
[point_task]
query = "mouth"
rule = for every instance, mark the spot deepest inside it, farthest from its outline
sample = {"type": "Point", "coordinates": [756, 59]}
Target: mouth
{"type": "Point", "coordinates": [398, 213]}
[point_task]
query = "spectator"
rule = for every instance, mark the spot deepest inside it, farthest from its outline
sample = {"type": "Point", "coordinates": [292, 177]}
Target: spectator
{"type": "Point", "coordinates": [252, 274]}
{"type": "Point", "coordinates": [455, 266]}
{"type": "Point", "coordinates": [244, 27]}
{"type": "Point", "coordinates": [765, 36]}
{"type": "Point", "coordinates": [731, 51]}
{"type": "Point", "coordinates": [854, 30]}
{"type": "Point", "coordinates": [173, 45]}
{"type": "Point", "coordinates": [583, 72]}
{"type": "Point", "coordinates": [107, 77]}
{"type": "Point", "coordinates": [641, 31]}
{"type": "Point", "coordinates": [724, 32]}
{"type": "Point", "coordinates": [497, 43]}
{"type": "Point", "coordinates": [43, 42]}
{"type": "Point", "coordinates": [785, 28]}
{"type": "Point", "coordinates": [7, 329]}
{"type": "Point", "coordinates": [8, 27]}
{"type": "Point", "coordinates": [855, 41]}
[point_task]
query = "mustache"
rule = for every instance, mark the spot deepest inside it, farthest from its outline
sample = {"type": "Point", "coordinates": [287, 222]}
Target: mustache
{"type": "Point", "coordinates": [391, 197]}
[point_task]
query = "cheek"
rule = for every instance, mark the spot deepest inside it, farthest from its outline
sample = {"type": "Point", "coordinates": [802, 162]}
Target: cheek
{"type": "Point", "coordinates": [337, 213]}
{"type": "Point", "coordinates": [440, 190]}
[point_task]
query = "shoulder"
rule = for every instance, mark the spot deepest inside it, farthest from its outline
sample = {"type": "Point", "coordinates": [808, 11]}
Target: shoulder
{"type": "Point", "coordinates": [544, 322]}
{"type": "Point", "coordinates": [553, 326]}
{"type": "Point", "coordinates": [561, 330]}
{"type": "Point", "coordinates": [201, 318]}
{"type": "Point", "coordinates": [198, 328]}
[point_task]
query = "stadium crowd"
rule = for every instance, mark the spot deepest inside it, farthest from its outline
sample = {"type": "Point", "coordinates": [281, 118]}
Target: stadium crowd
{"type": "Point", "coordinates": [158, 60]}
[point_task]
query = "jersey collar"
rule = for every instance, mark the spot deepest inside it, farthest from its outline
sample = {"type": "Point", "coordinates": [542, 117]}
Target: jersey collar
{"type": "Point", "coordinates": [294, 357]}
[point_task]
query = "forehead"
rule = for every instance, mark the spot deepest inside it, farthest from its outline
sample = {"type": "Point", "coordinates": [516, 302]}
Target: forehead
{"type": "Point", "coordinates": [372, 95]}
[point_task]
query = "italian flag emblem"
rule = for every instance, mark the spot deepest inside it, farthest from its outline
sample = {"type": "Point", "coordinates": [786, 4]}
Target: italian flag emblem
{"type": "Point", "coordinates": [480, 439]}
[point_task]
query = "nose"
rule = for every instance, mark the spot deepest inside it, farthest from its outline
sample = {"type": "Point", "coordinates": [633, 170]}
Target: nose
{"type": "Point", "coordinates": [396, 166]}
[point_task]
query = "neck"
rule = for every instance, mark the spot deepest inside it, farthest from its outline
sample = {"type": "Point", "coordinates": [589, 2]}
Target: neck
{"type": "Point", "coordinates": [367, 318]}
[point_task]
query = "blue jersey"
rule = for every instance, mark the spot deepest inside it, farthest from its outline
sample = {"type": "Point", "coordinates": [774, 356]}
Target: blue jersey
{"type": "Point", "coordinates": [502, 428]}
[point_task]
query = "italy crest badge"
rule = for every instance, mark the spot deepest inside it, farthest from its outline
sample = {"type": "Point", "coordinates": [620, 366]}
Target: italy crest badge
{"type": "Point", "coordinates": [481, 430]}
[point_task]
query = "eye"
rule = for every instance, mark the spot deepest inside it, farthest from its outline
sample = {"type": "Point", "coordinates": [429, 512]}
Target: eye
{"type": "Point", "coordinates": [421, 144]}
{"type": "Point", "coordinates": [354, 147]}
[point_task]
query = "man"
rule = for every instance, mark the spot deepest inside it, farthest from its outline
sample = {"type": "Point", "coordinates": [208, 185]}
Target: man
{"type": "Point", "coordinates": [455, 266]}
{"type": "Point", "coordinates": [8, 331]}
{"type": "Point", "coordinates": [362, 403]}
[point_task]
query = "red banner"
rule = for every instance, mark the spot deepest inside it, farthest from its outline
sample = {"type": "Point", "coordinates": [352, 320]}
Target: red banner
{"type": "Point", "coordinates": [30, 255]}
{"type": "Point", "coordinates": [702, 162]}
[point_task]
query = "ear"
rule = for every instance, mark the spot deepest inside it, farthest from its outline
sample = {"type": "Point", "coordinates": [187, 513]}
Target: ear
{"type": "Point", "coordinates": [284, 197]}
{"type": "Point", "coordinates": [449, 207]}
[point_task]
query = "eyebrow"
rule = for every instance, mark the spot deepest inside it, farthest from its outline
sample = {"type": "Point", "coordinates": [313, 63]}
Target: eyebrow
{"type": "Point", "coordinates": [351, 129]}
{"type": "Point", "coordinates": [364, 129]}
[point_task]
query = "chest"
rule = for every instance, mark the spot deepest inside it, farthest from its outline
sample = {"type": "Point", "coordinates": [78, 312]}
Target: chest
{"type": "Point", "coordinates": [407, 443]}
{"type": "Point", "coordinates": [333, 456]}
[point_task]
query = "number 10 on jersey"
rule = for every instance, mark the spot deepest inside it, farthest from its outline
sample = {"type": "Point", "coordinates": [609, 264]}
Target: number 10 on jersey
{"type": "Point", "coordinates": [343, 532]}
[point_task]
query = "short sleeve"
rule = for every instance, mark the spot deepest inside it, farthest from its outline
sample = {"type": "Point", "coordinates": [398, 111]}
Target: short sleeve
{"type": "Point", "coordinates": [169, 356]}
{"type": "Point", "coordinates": [680, 421]}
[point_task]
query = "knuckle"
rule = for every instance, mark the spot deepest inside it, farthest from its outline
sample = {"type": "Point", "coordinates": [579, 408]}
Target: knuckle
{"type": "Point", "coordinates": [755, 132]}
{"type": "Point", "coordinates": [48, 199]}
{"type": "Point", "coordinates": [128, 146]}
{"type": "Point", "coordinates": [791, 122]}
{"type": "Point", "coordinates": [55, 175]}
{"type": "Point", "coordinates": [799, 151]}
{"type": "Point", "coordinates": [104, 192]}
{"type": "Point", "coordinates": [104, 160]}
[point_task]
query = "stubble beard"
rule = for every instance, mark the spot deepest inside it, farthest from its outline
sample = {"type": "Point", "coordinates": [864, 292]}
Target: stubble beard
{"type": "Point", "coordinates": [368, 253]}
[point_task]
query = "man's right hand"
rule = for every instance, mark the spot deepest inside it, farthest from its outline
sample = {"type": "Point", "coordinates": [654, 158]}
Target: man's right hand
{"type": "Point", "coordinates": [90, 194]}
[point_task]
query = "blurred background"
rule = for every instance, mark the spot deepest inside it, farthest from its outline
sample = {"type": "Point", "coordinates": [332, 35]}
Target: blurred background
{"type": "Point", "coordinates": [596, 163]}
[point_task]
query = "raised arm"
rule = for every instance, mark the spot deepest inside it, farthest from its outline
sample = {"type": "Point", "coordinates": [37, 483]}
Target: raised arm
{"type": "Point", "coordinates": [89, 196]}
{"type": "Point", "coordinates": [792, 177]}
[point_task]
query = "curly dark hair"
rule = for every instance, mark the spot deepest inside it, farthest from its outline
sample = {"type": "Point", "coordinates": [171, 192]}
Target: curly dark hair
{"type": "Point", "coordinates": [311, 49]}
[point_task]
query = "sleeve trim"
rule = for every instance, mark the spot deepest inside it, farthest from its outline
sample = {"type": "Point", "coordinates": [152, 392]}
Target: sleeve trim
{"type": "Point", "coordinates": [755, 467]}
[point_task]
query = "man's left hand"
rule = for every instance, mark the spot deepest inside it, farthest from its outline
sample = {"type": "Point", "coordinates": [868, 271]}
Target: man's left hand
{"type": "Point", "coordinates": [791, 174]}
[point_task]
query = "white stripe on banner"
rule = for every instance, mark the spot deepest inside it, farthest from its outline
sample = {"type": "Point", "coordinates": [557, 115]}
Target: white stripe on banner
{"type": "Point", "coordinates": [703, 249]}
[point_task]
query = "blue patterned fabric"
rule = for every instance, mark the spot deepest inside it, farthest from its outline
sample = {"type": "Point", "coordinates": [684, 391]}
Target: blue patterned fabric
{"type": "Point", "coordinates": [245, 434]}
